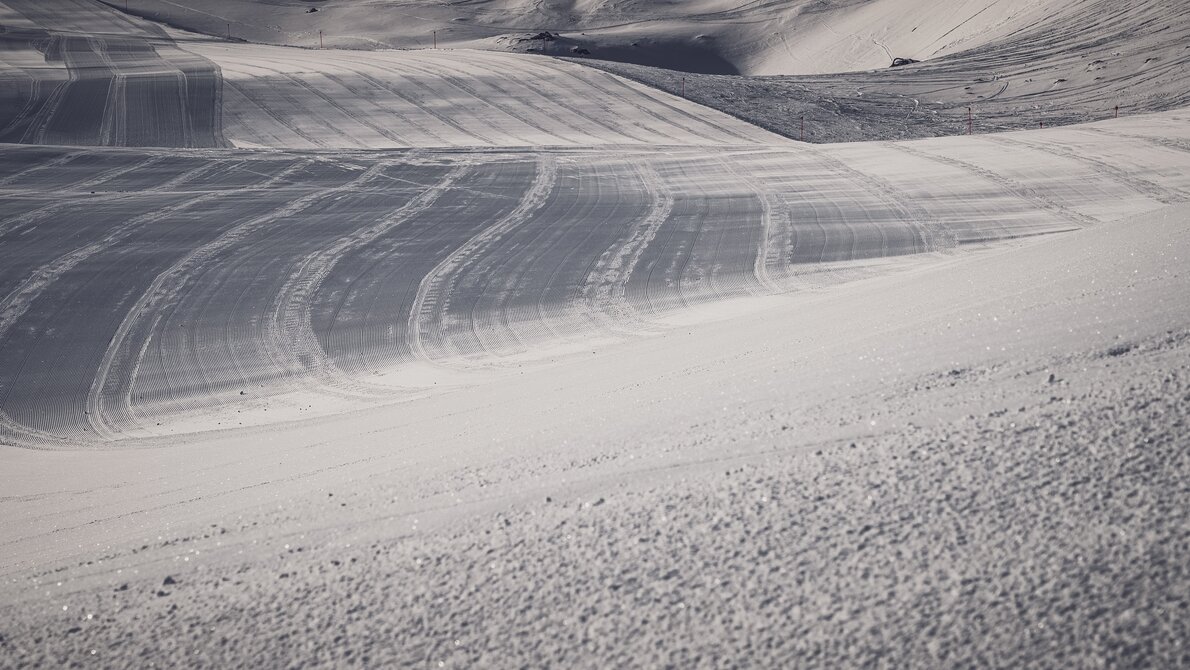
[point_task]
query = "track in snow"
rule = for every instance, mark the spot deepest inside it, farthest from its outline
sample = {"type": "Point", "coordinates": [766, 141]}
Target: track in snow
{"type": "Point", "coordinates": [141, 286]}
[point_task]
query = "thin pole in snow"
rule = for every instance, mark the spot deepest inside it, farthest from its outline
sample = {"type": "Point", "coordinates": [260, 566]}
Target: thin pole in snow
{"type": "Point", "coordinates": [229, 31]}
{"type": "Point", "coordinates": [435, 39]}
{"type": "Point", "coordinates": [320, 43]}
{"type": "Point", "coordinates": [683, 87]}
{"type": "Point", "coordinates": [970, 124]}
{"type": "Point", "coordinates": [803, 129]}
{"type": "Point", "coordinates": [1117, 115]}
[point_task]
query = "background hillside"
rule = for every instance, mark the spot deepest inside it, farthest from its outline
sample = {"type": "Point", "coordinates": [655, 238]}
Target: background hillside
{"type": "Point", "coordinates": [753, 37]}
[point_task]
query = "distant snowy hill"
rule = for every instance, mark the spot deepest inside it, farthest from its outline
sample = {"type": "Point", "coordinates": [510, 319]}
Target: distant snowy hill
{"type": "Point", "coordinates": [82, 72]}
{"type": "Point", "coordinates": [711, 36]}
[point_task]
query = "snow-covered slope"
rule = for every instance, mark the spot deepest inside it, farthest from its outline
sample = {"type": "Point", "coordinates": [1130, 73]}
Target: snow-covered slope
{"type": "Point", "coordinates": [98, 76]}
{"type": "Point", "coordinates": [979, 463]}
{"type": "Point", "coordinates": [235, 281]}
{"type": "Point", "coordinates": [76, 72]}
{"type": "Point", "coordinates": [288, 98]}
{"type": "Point", "coordinates": [99, 79]}
{"type": "Point", "coordinates": [545, 205]}
{"type": "Point", "coordinates": [1073, 67]}
{"type": "Point", "coordinates": [457, 358]}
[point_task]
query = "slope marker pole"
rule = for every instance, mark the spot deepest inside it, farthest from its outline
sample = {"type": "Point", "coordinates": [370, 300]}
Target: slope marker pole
{"type": "Point", "coordinates": [803, 129]}
{"type": "Point", "coordinates": [969, 121]}
{"type": "Point", "coordinates": [435, 39]}
{"type": "Point", "coordinates": [229, 31]}
{"type": "Point", "coordinates": [1117, 112]}
{"type": "Point", "coordinates": [320, 43]}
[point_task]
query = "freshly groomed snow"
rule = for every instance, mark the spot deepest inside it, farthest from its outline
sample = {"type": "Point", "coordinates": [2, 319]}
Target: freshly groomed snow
{"type": "Point", "coordinates": [278, 97]}
{"type": "Point", "coordinates": [459, 358]}
{"type": "Point", "coordinates": [977, 462]}
{"type": "Point", "coordinates": [304, 283]}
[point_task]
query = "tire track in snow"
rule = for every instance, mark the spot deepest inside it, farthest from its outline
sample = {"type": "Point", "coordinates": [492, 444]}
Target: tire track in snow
{"type": "Point", "coordinates": [405, 119]}
{"type": "Point", "coordinates": [32, 103]}
{"type": "Point", "coordinates": [932, 231]}
{"type": "Point", "coordinates": [680, 111]}
{"type": "Point", "coordinates": [112, 130]}
{"type": "Point", "coordinates": [559, 309]}
{"type": "Point", "coordinates": [419, 105]}
{"type": "Point", "coordinates": [289, 328]}
{"type": "Point", "coordinates": [776, 245]}
{"type": "Point", "coordinates": [1013, 186]}
{"type": "Point", "coordinates": [559, 101]}
{"type": "Point", "coordinates": [47, 166]}
{"type": "Point", "coordinates": [39, 125]}
{"type": "Point", "coordinates": [109, 404]}
{"type": "Point", "coordinates": [443, 67]}
{"type": "Point", "coordinates": [14, 224]}
{"type": "Point", "coordinates": [604, 290]}
{"type": "Point", "coordinates": [17, 302]}
{"type": "Point", "coordinates": [270, 113]}
{"type": "Point", "coordinates": [331, 102]}
{"type": "Point", "coordinates": [426, 317]}
{"type": "Point", "coordinates": [375, 286]}
{"type": "Point", "coordinates": [15, 434]}
{"type": "Point", "coordinates": [1142, 186]}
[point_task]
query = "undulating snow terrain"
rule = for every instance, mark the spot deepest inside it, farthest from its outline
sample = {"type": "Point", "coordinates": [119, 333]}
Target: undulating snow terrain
{"type": "Point", "coordinates": [477, 358]}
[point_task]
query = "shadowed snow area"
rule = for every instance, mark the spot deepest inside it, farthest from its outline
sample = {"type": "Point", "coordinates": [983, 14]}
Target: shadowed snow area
{"type": "Point", "coordinates": [464, 357]}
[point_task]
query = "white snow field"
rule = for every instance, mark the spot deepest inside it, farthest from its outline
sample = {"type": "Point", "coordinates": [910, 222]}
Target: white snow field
{"type": "Point", "coordinates": [470, 358]}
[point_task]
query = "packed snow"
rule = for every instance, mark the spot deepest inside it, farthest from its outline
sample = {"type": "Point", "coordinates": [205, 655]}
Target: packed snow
{"type": "Point", "coordinates": [481, 358]}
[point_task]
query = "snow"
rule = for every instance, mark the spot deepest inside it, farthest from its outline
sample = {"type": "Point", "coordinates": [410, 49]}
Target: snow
{"type": "Point", "coordinates": [716, 36]}
{"type": "Point", "coordinates": [470, 357]}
